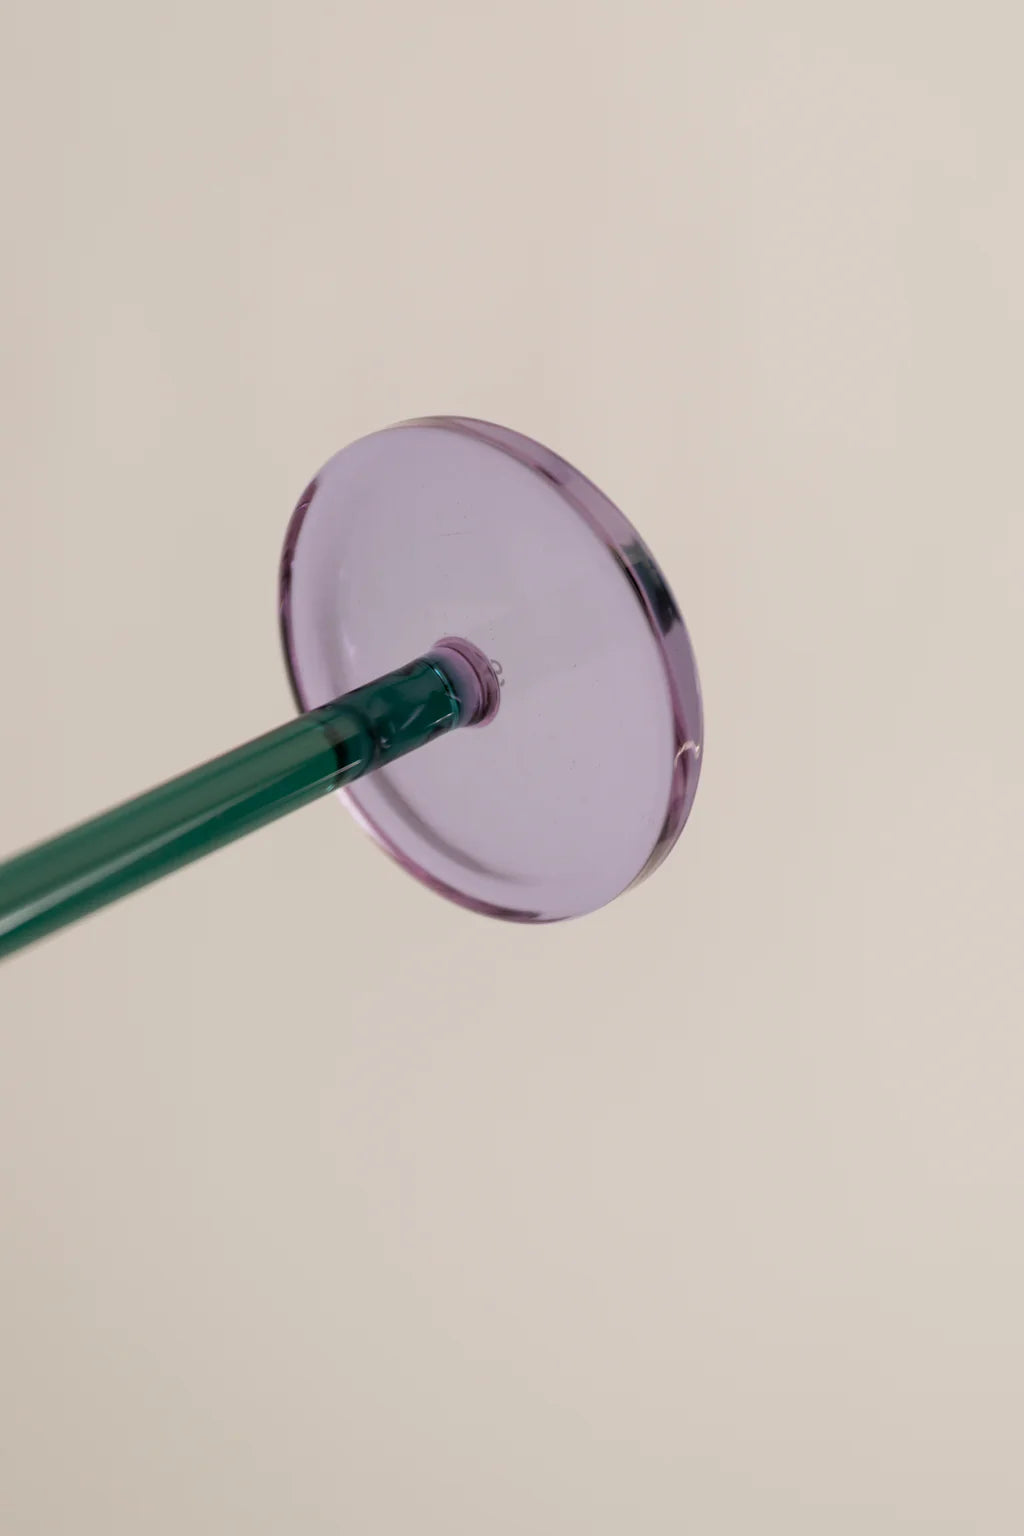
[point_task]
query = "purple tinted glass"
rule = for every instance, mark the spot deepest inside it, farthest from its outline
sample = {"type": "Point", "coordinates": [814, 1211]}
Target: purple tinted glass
{"type": "Point", "coordinates": [583, 779]}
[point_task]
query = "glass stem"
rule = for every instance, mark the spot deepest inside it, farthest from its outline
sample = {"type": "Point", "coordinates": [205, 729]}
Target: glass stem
{"type": "Point", "coordinates": [115, 853]}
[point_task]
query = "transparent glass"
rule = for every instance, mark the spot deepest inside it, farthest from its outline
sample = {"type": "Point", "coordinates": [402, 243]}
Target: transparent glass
{"type": "Point", "coordinates": [537, 613]}
{"type": "Point", "coordinates": [191, 815]}
{"type": "Point", "coordinates": [584, 779]}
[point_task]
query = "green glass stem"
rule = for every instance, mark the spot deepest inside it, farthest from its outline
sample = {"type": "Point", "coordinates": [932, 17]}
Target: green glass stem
{"type": "Point", "coordinates": [115, 853]}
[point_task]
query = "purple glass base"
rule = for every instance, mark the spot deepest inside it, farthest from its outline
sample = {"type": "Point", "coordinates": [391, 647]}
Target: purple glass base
{"type": "Point", "coordinates": [580, 783]}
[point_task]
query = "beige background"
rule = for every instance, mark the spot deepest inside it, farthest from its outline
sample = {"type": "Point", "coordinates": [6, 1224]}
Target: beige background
{"type": "Point", "coordinates": [703, 1214]}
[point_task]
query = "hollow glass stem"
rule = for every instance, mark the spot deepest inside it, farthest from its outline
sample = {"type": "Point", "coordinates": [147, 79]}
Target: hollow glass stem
{"type": "Point", "coordinates": [115, 853]}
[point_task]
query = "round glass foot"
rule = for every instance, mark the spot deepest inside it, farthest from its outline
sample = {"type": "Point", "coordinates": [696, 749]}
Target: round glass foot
{"type": "Point", "coordinates": [470, 541]}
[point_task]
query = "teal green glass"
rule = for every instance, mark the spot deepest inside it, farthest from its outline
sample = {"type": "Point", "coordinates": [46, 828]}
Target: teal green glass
{"type": "Point", "coordinates": [114, 854]}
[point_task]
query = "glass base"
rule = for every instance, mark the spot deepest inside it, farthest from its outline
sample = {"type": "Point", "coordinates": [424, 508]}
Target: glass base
{"type": "Point", "coordinates": [582, 780]}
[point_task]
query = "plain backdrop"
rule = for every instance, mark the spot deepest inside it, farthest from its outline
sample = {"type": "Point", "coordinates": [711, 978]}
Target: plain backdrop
{"type": "Point", "coordinates": [325, 1206]}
